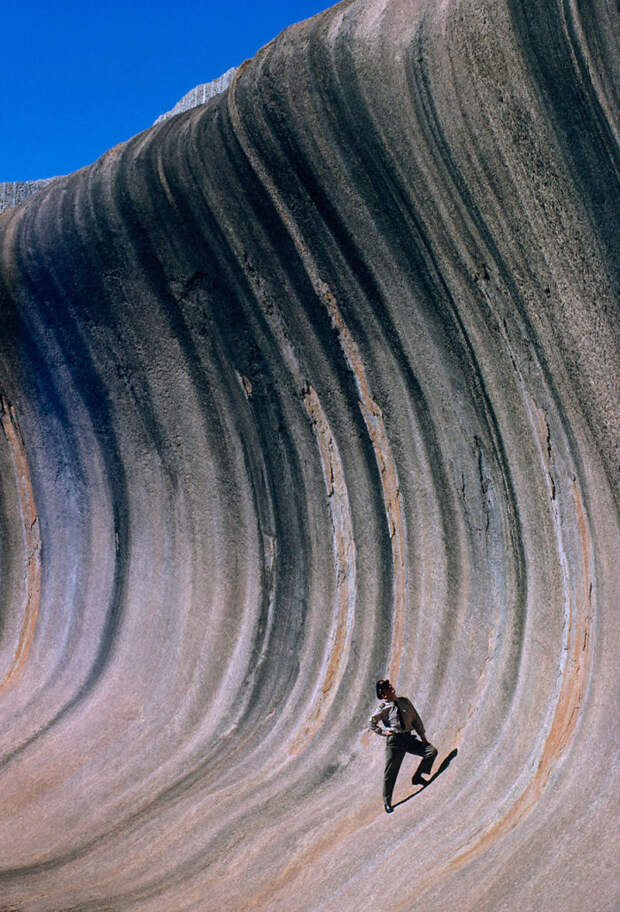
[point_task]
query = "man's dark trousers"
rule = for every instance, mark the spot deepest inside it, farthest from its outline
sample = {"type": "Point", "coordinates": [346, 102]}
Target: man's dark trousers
{"type": "Point", "coordinates": [395, 749]}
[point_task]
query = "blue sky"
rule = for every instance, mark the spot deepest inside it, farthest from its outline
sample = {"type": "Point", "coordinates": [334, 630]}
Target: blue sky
{"type": "Point", "coordinates": [79, 77]}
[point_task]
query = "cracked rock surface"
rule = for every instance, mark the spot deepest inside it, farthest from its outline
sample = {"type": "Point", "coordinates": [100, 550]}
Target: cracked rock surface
{"type": "Point", "coordinates": [310, 385]}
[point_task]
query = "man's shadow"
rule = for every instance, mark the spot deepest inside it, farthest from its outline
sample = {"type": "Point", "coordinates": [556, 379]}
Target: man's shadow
{"type": "Point", "coordinates": [441, 769]}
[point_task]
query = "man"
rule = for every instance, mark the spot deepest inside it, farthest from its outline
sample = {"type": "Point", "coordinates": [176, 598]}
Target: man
{"type": "Point", "coordinates": [398, 716]}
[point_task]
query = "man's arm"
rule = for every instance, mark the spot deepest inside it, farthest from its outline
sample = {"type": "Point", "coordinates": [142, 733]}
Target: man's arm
{"type": "Point", "coordinates": [419, 725]}
{"type": "Point", "coordinates": [379, 716]}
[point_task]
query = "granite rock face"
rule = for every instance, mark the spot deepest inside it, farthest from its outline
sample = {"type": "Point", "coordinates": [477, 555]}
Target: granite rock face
{"type": "Point", "coordinates": [309, 385]}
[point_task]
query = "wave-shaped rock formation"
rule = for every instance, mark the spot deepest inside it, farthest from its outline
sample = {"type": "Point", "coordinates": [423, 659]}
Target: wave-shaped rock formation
{"type": "Point", "coordinates": [309, 385]}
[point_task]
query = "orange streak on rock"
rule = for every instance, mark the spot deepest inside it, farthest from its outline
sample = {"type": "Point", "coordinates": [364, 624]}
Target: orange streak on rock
{"type": "Point", "coordinates": [344, 555]}
{"type": "Point", "coordinates": [375, 425]}
{"type": "Point", "coordinates": [370, 410]}
{"type": "Point", "coordinates": [318, 850]}
{"type": "Point", "coordinates": [567, 707]}
{"type": "Point", "coordinates": [32, 540]}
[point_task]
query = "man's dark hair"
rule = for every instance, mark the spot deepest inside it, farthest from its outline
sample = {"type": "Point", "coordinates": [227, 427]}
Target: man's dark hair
{"type": "Point", "coordinates": [380, 687]}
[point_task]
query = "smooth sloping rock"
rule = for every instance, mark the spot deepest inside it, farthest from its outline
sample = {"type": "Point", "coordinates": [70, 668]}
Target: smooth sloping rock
{"type": "Point", "coordinates": [313, 384]}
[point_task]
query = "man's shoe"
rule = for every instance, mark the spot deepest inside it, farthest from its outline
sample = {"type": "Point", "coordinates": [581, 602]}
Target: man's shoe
{"type": "Point", "coordinates": [388, 807]}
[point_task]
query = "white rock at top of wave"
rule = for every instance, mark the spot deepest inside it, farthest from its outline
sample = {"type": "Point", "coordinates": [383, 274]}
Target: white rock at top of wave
{"type": "Point", "coordinates": [200, 94]}
{"type": "Point", "coordinates": [12, 193]}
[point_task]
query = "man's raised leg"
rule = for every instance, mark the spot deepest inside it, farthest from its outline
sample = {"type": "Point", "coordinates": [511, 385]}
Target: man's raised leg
{"type": "Point", "coordinates": [428, 754]}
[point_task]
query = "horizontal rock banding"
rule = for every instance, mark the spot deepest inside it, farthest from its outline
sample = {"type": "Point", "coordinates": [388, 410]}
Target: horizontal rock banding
{"type": "Point", "coordinates": [306, 386]}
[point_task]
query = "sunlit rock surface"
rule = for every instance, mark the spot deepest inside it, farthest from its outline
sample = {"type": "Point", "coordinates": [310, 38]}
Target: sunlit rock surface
{"type": "Point", "coordinates": [309, 385]}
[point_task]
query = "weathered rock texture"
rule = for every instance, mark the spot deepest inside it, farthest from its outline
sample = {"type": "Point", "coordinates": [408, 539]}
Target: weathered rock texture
{"type": "Point", "coordinates": [309, 385]}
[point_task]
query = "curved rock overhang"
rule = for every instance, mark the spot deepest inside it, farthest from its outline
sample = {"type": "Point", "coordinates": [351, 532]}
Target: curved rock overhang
{"type": "Point", "coordinates": [310, 385]}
